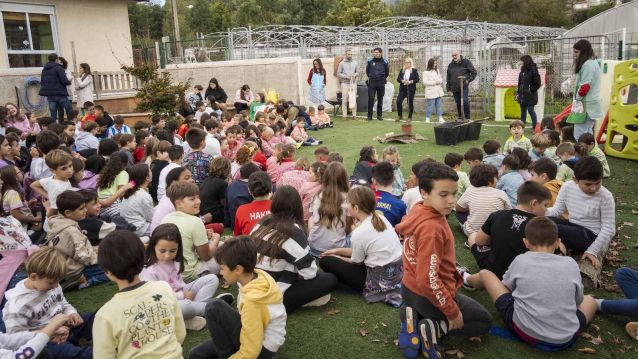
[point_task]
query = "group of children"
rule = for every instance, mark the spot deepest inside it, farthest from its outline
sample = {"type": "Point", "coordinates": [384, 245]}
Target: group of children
{"type": "Point", "coordinates": [147, 210]}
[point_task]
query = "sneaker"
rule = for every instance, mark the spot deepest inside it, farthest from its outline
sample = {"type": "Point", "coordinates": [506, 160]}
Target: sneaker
{"type": "Point", "coordinates": [461, 270]}
{"type": "Point", "coordinates": [427, 120]}
{"type": "Point", "coordinates": [398, 119]}
{"type": "Point", "coordinates": [331, 125]}
{"type": "Point", "coordinates": [320, 141]}
{"type": "Point", "coordinates": [195, 323]}
{"type": "Point", "coordinates": [380, 118]}
{"type": "Point", "coordinates": [441, 120]}
{"type": "Point", "coordinates": [226, 297]}
{"type": "Point", "coordinates": [321, 301]}
{"type": "Point", "coordinates": [430, 331]}
{"type": "Point", "coordinates": [408, 337]}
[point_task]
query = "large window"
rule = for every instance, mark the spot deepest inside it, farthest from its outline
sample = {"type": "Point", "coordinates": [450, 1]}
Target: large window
{"type": "Point", "coordinates": [29, 31]}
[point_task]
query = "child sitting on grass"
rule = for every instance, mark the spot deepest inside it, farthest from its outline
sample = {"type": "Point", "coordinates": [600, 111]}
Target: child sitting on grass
{"type": "Point", "coordinates": [567, 154]}
{"type": "Point", "coordinates": [543, 309]}
{"type": "Point", "coordinates": [321, 154]}
{"type": "Point", "coordinates": [626, 278]}
{"type": "Point", "coordinates": [322, 119]}
{"type": "Point", "coordinates": [588, 141]}
{"type": "Point", "coordinates": [592, 212]}
{"type": "Point", "coordinates": [493, 155]}
{"type": "Point", "coordinates": [544, 172]}
{"type": "Point", "coordinates": [60, 164]}
{"type": "Point", "coordinates": [524, 161]}
{"type": "Point", "coordinates": [362, 174]}
{"type": "Point", "coordinates": [137, 205]}
{"type": "Point", "coordinates": [139, 311]}
{"type": "Point", "coordinates": [164, 261]}
{"type": "Point", "coordinates": [482, 198]}
{"type": "Point", "coordinates": [391, 155]}
{"type": "Point", "coordinates": [65, 234]}
{"type": "Point", "coordinates": [285, 161]}
{"type": "Point", "coordinates": [259, 328]}
{"type": "Point", "coordinates": [197, 161]}
{"type": "Point", "coordinates": [249, 214]}
{"type": "Point", "coordinates": [510, 179]}
{"type": "Point", "coordinates": [199, 245]}
{"type": "Point", "coordinates": [238, 194]}
{"type": "Point", "coordinates": [392, 208]}
{"type": "Point", "coordinates": [373, 265]}
{"type": "Point", "coordinates": [554, 141]}
{"type": "Point", "coordinates": [95, 228]}
{"type": "Point", "coordinates": [473, 156]}
{"type": "Point", "coordinates": [297, 176]}
{"type": "Point", "coordinates": [433, 307]}
{"type": "Point", "coordinates": [311, 187]}
{"type": "Point", "coordinates": [30, 344]}
{"type": "Point", "coordinates": [517, 138]}
{"type": "Point", "coordinates": [540, 143]}
{"type": "Point", "coordinates": [413, 195]}
{"type": "Point", "coordinates": [37, 300]}
{"type": "Point", "coordinates": [301, 137]}
{"type": "Point", "coordinates": [455, 160]}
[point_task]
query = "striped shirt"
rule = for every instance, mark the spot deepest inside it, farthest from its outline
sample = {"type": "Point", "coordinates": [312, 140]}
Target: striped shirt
{"type": "Point", "coordinates": [595, 212]}
{"type": "Point", "coordinates": [481, 202]}
{"type": "Point", "coordinates": [293, 262]}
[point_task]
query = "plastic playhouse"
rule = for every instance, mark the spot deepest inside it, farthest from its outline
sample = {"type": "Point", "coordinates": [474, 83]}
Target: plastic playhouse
{"type": "Point", "coordinates": [623, 111]}
{"type": "Point", "coordinates": [506, 107]}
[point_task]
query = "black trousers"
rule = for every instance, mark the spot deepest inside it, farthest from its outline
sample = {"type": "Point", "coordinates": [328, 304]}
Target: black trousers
{"type": "Point", "coordinates": [240, 106]}
{"type": "Point", "coordinates": [575, 237]}
{"type": "Point", "coordinates": [404, 92]}
{"type": "Point", "coordinates": [376, 89]}
{"type": "Point", "coordinates": [224, 325]}
{"type": "Point", "coordinates": [352, 275]}
{"type": "Point", "coordinates": [305, 291]}
{"type": "Point", "coordinates": [476, 319]}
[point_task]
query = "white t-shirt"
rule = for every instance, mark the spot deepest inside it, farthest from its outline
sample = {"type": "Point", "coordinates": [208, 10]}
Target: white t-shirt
{"type": "Point", "coordinates": [54, 187]}
{"type": "Point", "coordinates": [375, 249]}
{"type": "Point", "coordinates": [212, 146]}
{"type": "Point", "coordinates": [411, 197]}
{"type": "Point", "coordinates": [161, 185]}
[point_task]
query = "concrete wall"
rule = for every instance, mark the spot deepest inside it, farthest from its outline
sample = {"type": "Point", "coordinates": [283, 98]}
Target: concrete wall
{"type": "Point", "coordinates": [287, 75]}
{"type": "Point", "coordinates": [99, 28]}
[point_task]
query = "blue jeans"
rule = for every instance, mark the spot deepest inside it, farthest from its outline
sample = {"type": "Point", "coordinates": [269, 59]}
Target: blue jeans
{"type": "Point", "coordinates": [59, 101]}
{"type": "Point", "coordinates": [466, 102]}
{"type": "Point", "coordinates": [19, 275]}
{"type": "Point", "coordinates": [436, 104]}
{"type": "Point", "coordinates": [94, 275]}
{"type": "Point", "coordinates": [532, 114]}
{"type": "Point", "coordinates": [627, 280]}
{"type": "Point", "coordinates": [70, 348]}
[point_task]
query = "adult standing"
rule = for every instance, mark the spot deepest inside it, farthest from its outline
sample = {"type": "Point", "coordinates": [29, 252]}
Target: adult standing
{"type": "Point", "coordinates": [84, 85]}
{"type": "Point", "coordinates": [243, 98]}
{"type": "Point", "coordinates": [529, 81]}
{"type": "Point", "coordinates": [377, 70]}
{"type": "Point", "coordinates": [317, 82]}
{"type": "Point", "coordinates": [53, 83]}
{"type": "Point", "coordinates": [460, 72]}
{"type": "Point", "coordinates": [217, 92]}
{"type": "Point", "coordinates": [69, 88]}
{"type": "Point", "coordinates": [347, 73]}
{"type": "Point", "coordinates": [433, 82]}
{"type": "Point", "coordinates": [587, 89]}
{"type": "Point", "coordinates": [407, 79]}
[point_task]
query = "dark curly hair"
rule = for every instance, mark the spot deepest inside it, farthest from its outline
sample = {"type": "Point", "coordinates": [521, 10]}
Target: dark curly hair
{"type": "Point", "coordinates": [116, 164]}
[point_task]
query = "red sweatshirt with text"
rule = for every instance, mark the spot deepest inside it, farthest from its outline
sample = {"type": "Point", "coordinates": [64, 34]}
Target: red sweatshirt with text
{"type": "Point", "coordinates": [429, 259]}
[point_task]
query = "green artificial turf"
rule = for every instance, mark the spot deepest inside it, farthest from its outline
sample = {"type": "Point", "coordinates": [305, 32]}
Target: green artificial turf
{"type": "Point", "coordinates": [337, 330]}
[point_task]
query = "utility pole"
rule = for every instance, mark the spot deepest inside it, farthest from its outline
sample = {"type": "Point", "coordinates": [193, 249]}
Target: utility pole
{"type": "Point", "coordinates": [175, 20]}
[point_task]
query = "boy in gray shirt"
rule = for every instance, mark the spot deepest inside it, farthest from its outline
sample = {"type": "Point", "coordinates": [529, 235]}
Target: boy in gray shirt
{"type": "Point", "coordinates": [541, 296]}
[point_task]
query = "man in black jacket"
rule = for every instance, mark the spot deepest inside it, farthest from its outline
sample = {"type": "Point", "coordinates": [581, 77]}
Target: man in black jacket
{"type": "Point", "coordinates": [378, 71]}
{"type": "Point", "coordinates": [460, 67]}
{"type": "Point", "coordinates": [53, 83]}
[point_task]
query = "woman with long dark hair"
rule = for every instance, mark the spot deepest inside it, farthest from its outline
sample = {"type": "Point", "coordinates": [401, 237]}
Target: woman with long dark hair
{"type": "Point", "coordinates": [217, 92]}
{"type": "Point", "coordinates": [529, 81]}
{"type": "Point", "coordinates": [243, 97]}
{"type": "Point", "coordinates": [317, 81]}
{"type": "Point", "coordinates": [587, 89]}
{"type": "Point", "coordinates": [283, 252]}
{"type": "Point", "coordinates": [433, 82]}
{"type": "Point", "coordinates": [84, 85]}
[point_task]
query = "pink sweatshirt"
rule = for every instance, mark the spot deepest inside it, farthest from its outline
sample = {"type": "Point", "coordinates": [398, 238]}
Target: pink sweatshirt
{"type": "Point", "coordinates": [299, 134]}
{"type": "Point", "coordinates": [294, 178]}
{"type": "Point", "coordinates": [308, 192]}
{"type": "Point", "coordinates": [167, 272]}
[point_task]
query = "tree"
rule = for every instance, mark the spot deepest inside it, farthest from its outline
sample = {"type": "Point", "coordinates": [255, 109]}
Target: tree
{"type": "Point", "coordinates": [157, 93]}
{"type": "Point", "coordinates": [258, 12]}
{"type": "Point", "coordinates": [356, 12]}
{"type": "Point", "coordinates": [146, 22]}
{"type": "Point", "coordinates": [201, 16]}
{"type": "Point", "coordinates": [222, 19]}
{"type": "Point", "coordinates": [307, 12]}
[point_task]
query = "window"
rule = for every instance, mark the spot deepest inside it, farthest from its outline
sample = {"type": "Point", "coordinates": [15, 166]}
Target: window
{"type": "Point", "coordinates": [29, 31]}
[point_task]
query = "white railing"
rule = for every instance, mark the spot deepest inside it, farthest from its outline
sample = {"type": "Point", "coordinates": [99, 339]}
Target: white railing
{"type": "Point", "coordinates": [113, 82]}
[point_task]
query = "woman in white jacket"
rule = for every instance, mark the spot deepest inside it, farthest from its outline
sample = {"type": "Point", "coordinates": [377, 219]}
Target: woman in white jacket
{"type": "Point", "coordinates": [84, 87]}
{"type": "Point", "coordinates": [433, 82]}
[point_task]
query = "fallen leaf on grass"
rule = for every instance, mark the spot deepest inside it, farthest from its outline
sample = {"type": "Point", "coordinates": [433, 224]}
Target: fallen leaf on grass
{"type": "Point", "coordinates": [596, 340]}
{"type": "Point", "coordinates": [396, 342]}
{"type": "Point", "coordinates": [634, 211]}
{"type": "Point", "coordinates": [587, 350]}
{"type": "Point", "coordinates": [616, 341]}
{"type": "Point", "coordinates": [376, 340]}
{"type": "Point", "coordinates": [475, 339]}
{"type": "Point", "coordinates": [363, 332]}
{"type": "Point", "coordinates": [383, 324]}
{"type": "Point", "coordinates": [458, 352]}
{"type": "Point", "coordinates": [595, 327]}
{"type": "Point", "coordinates": [332, 311]}
{"type": "Point", "coordinates": [586, 336]}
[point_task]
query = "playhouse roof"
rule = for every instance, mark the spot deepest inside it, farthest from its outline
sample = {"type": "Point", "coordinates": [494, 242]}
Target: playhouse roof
{"type": "Point", "coordinates": [509, 77]}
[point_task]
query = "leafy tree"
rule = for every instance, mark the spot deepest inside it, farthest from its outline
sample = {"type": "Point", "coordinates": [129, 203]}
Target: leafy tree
{"type": "Point", "coordinates": [146, 21]}
{"type": "Point", "coordinates": [157, 94]}
{"type": "Point", "coordinates": [356, 12]}
{"type": "Point", "coordinates": [222, 18]}
{"type": "Point", "coordinates": [201, 16]}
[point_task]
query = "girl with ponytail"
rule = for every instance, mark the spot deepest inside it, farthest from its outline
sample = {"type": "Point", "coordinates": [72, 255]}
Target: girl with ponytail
{"type": "Point", "coordinates": [373, 266]}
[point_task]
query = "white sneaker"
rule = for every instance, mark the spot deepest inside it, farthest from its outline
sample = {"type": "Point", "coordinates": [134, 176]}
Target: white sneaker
{"type": "Point", "coordinates": [427, 120]}
{"type": "Point", "coordinates": [318, 302]}
{"type": "Point", "coordinates": [195, 323]}
{"type": "Point", "coordinates": [441, 120]}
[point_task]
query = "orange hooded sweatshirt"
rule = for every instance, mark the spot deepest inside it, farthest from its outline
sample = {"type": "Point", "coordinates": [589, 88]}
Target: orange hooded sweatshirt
{"type": "Point", "coordinates": [429, 259]}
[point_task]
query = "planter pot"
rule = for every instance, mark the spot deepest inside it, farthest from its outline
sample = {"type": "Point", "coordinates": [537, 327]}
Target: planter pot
{"type": "Point", "coordinates": [406, 128]}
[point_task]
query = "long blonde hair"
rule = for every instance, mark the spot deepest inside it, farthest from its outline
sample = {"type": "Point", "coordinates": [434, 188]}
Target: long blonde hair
{"type": "Point", "coordinates": [245, 153]}
{"type": "Point", "coordinates": [408, 59]}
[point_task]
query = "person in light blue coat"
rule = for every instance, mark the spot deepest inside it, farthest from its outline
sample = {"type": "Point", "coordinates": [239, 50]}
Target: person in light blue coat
{"type": "Point", "coordinates": [587, 90]}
